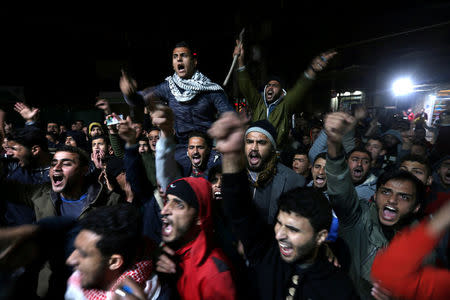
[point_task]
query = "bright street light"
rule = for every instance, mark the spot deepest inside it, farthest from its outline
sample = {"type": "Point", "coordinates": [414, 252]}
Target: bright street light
{"type": "Point", "coordinates": [402, 86]}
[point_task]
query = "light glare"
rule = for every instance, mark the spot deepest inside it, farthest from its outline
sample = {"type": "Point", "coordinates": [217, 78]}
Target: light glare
{"type": "Point", "coordinates": [402, 86]}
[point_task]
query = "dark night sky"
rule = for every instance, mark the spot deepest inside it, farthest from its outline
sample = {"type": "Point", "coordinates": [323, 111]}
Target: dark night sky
{"type": "Point", "coordinates": [71, 54]}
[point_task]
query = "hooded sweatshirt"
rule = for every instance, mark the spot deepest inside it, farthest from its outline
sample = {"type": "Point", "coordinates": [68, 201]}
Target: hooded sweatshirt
{"type": "Point", "coordinates": [206, 272]}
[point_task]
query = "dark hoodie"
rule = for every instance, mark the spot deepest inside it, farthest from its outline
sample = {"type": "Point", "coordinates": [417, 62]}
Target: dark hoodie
{"type": "Point", "coordinates": [206, 270]}
{"type": "Point", "coordinates": [271, 277]}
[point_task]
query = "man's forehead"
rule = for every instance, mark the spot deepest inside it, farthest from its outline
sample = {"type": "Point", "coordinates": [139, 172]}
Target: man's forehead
{"type": "Point", "coordinates": [320, 161]}
{"type": "Point", "coordinates": [413, 164]}
{"type": "Point", "coordinates": [99, 140]}
{"type": "Point", "coordinates": [181, 50]}
{"type": "Point", "coordinates": [153, 132]}
{"type": "Point", "coordinates": [65, 155]}
{"type": "Point", "coordinates": [255, 135]}
{"type": "Point", "coordinates": [400, 186]}
{"type": "Point", "coordinates": [300, 156]}
{"type": "Point", "coordinates": [197, 140]}
{"type": "Point", "coordinates": [359, 154]}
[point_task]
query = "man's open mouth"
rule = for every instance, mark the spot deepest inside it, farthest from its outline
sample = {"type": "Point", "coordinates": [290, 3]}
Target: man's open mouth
{"type": "Point", "coordinates": [57, 179]}
{"type": "Point", "coordinates": [320, 179]}
{"type": "Point", "coordinates": [357, 172]}
{"type": "Point", "coordinates": [285, 248]}
{"type": "Point", "coordinates": [390, 213]}
{"type": "Point", "coordinates": [254, 158]}
{"type": "Point", "coordinates": [181, 67]}
{"type": "Point", "coordinates": [166, 227]}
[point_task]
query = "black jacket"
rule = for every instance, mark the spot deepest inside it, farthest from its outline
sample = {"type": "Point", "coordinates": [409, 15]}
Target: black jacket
{"type": "Point", "coordinates": [270, 276]}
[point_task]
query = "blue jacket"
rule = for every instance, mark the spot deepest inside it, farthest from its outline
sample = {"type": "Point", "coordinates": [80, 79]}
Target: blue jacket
{"type": "Point", "coordinates": [197, 114]}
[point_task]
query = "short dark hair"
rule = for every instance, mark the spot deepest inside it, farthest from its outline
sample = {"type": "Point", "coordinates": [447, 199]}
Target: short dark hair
{"type": "Point", "coordinates": [82, 155]}
{"type": "Point", "coordinates": [378, 139]}
{"type": "Point", "coordinates": [403, 175]}
{"type": "Point", "coordinates": [308, 203]}
{"type": "Point", "coordinates": [417, 158]}
{"type": "Point", "coordinates": [185, 44]}
{"type": "Point", "coordinates": [360, 149]}
{"type": "Point", "coordinates": [143, 138]}
{"type": "Point", "coordinates": [320, 155]}
{"type": "Point", "coordinates": [213, 171]}
{"type": "Point", "coordinates": [202, 135]}
{"type": "Point", "coordinates": [30, 136]}
{"type": "Point", "coordinates": [119, 227]}
{"type": "Point", "coordinates": [101, 136]}
{"type": "Point", "coordinates": [154, 128]}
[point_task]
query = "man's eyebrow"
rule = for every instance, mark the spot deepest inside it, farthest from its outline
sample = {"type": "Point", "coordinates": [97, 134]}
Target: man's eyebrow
{"type": "Point", "coordinates": [63, 160]}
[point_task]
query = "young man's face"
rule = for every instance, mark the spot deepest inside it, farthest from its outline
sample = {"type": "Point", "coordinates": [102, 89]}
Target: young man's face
{"type": "Point", "coordinates": [21, 153]}
{"type": "Point", "coordinates": [179, 221]}
{"type": "Point", "coordinates": [216, 184]}
{"type": "Point", "coordinates": [300, 164]}
{"type": "Point", "coordinates": [143, 147]}
{"type": "Point", "coordinates": [296, 237]}
{"type": "Point", "coordinates": [183, 62]}
{"type": "Point", "coordinates": [375, 148]}
{"type": "Point", "coordinates": [417, 169]}
{"type": "Point", "coordinates": [197, 151]}
{"type": "Point", "coordinates": [314, 133]}
{"type": "Point", "coordinates": [96, 131]}
{"type": "Point", "coordinates": [70, 141]}
{"type": "Point", "coordinates": [359, 166]}
{"type": "Point", "coordinates": [419, 150]}
{"type": "Point", "coordinates": [258, 150]}
{"type": "Point", "coordinates": [395, 200]}
{"type": "Point", "coordinates": [66, 172]}
{"type": "Point", "coordinates": [273, 91]}
{"type": "Point", "coordinates": [153, 137]}
{"type": "Point", "coordinates": [318, 173]}
{"type": "Point", "coordinates": [390, 141]}
{"type": "Point", "coordinates": [444, 173]}
{"type": "Point", "coordinates": [78, 125]}
{"type": "Point", "coordinates": [99, 145]}
{"type": "Point", "coordinates": [89, 261]}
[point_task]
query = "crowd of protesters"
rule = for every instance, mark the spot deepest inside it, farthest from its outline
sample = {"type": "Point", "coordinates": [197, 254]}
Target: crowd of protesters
{"type": "Point", "coordinates": [198, 201]}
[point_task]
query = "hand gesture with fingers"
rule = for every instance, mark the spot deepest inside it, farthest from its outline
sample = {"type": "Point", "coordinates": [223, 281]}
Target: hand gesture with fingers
{"type": "Point", "coordinates": [239, 51]}
{"type": "Point", "coordinates": [163, 117]}
{"type": "Point", "coordinates": [319, 63]}
{"type": "Point", "coordinates": [128, 85]}
{"type": "Point", "coordinates": [337, 125]}
{"type": "Point", "coordinates": [127, 131]}
{"type": "Point", "coordinates": [103, 104]}
{"type": "Point", "coordinates": [27, 113]}
{"type": "Point", "coordinates": [165, 263]}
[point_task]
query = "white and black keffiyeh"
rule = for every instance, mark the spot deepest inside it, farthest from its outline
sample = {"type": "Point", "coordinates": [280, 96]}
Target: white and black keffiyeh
{"type": "Point", "coordinates": [198, 83]}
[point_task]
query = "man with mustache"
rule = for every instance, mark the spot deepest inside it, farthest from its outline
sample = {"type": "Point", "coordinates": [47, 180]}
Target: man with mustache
{"type": "Point", "coordinates": [275, 103]}
{"type": "Point", "coordinates": [193, 97]}
{"type": "Point", "coordinates": [267, 177]}
{"type": "Point", "coordinates": [288, 262]}
{"type": "Point", "coordinates": [359, 162]}
{"type": "Point", "coordinates": [365, 226]}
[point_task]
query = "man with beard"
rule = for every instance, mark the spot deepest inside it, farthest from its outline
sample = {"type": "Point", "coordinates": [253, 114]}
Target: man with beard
{"type": "Point", "coordinates": [359, 162]}
{"type": "Point", "coordinates": [188, 229]}
{"type": "Point", "coordinates": [267, 177]}
{"type": "Point", "coordinates": [30, 165]}
{"type": "Point", "coordinates": [275, 104]}
{"type": "Point", "coordinates": [365, 226]}
{"type": "Point", "coordinates": [194, 98]}
{"type": "Point", "coordinates": [319, 182]}
{"type": "Point", "coordinates": [289, 264]}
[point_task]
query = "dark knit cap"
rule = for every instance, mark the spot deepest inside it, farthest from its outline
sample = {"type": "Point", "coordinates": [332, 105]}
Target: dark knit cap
{"type": "Point", "coordinates": [184, 191]}
{"type": "Point", "coordinates": [266, 128]}
{"type": "Point", "coordinates": [277, 78]}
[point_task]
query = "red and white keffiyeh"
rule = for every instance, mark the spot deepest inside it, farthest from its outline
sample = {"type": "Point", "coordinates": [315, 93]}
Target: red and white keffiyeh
{"type": "Point", "coordinates": [140, 273]}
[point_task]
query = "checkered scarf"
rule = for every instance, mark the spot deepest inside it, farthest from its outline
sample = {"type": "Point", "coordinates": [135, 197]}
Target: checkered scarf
{"type": "Point", "coordinates": [198, 83]}
{"type": "Point", "coordinates": [140, 273]}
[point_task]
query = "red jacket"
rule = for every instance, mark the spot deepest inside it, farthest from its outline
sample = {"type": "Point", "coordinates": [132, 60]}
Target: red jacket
{"type": "Point", "coordinates": [400, 270]}
{"type": "Point", "coordinates": [206, 272]}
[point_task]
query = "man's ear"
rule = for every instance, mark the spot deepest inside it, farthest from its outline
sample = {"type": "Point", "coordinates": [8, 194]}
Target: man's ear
{"type": "Point", "coordinates": [115, 262]}
{"type": "Point", "coordinates": [35, 150]}
{"type": "Point", "coordinates": [321, 237]}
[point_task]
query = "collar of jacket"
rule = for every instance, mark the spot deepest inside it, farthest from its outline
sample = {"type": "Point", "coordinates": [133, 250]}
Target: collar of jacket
{"type": "Point", "coordinates": [94, 190]}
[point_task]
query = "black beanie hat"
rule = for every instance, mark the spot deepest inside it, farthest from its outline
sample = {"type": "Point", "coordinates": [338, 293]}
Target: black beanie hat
{"type": "Point", "coordinates": [184, 191]}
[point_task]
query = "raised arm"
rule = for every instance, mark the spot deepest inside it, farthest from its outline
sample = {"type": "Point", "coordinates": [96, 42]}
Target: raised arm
{"type": "Point", "coordinates": [343, 196]}
{"type": "Point", "coordinates": [229, 133]}
{"type": "Point", "coordinates": [167, 168]}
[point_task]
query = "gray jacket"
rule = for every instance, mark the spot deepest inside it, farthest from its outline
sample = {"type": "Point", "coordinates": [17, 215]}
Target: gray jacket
{"type": "Point", "coordinates": [266, 198]}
